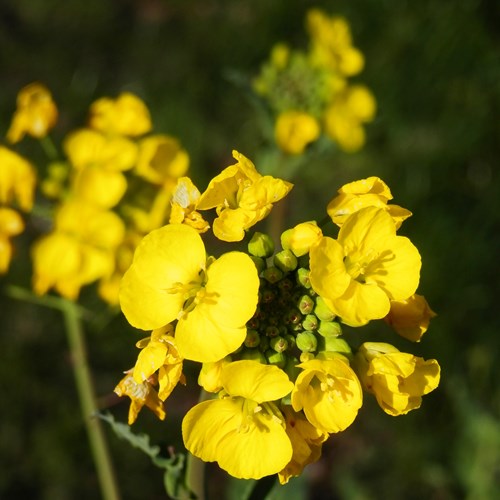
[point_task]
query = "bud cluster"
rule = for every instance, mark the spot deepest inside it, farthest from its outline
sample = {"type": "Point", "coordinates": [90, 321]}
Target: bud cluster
{"type": "Point", "coordinates": [291, 320]}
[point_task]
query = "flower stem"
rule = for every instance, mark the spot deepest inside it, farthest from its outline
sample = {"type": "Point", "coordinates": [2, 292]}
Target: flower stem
{"type": "Point", "coordinates": [72, 314]}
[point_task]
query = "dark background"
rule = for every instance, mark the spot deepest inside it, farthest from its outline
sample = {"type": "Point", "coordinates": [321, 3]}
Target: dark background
{"type": "Point", "coordinates": [435, 71]}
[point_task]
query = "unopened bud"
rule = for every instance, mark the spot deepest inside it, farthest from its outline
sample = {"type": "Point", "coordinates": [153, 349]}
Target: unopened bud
{"type": "Point", "coordinates": [254, 355]}
{"type": "Point", "coordinates": [303, 277]}
{"type": "Point", "coordinates": [306, 356]}
{"type": "Point", "coordinates": [310, 322]}
{"type": "Point", "coordinates": [276, 358]}
{"type": "Point", "coordinates": [335, 344]}
{"type": "Point", "coordinates": [272, 274]}
{"type": "Point", "coordinates": [330, 328]}
{"type": "Point", "coordinates": [307, 342]}
{"type": "Point", "coordinates": [261, 245]}
{"type": "Point", "coordinates": [286, 261]}
{"type": "Point", "coordinates": [279, 344]}
{"type": "Point", "coordinates": [322, 311]}
{"type": "Point", "coordinates": [306, 304]}
{"type": "Point", "coordinates": [252, 339]}
{"type": "Point", "coordinates": [259, 262]}
{"type": "Point", "coordinates": [272, 331]}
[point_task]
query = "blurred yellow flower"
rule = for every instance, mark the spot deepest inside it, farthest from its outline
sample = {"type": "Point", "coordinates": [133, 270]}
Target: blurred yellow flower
{"type": "Point", "coordinates": [329, 392]}
{"type": "Point", "coordinates": [294, 130]}
{"type": "Point", "coordinates": [35, 115]}
{"type": "Point", "coordinates": [125, 115]}
{"type": "Point", "coordinates": [17, 179]}
{"type": "Point", "coordinates": [11, 224]}
{"type": "Point", "coordinates": [398, 379]}
{"type": "Point", "coordinates": [242, 198]}
{"type": "Point", "coordinates": [244, 431]}
{"type": "Point", "coordinates": [358, 274]}
{"type": "Point", "coordinates": [169, 279]}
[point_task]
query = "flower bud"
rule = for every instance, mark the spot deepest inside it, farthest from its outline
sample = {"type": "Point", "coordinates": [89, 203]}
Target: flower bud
{"type": "Point", "coordinates": [272, 274]}
{"type": "Point", "coordinates": [252, 339]}
{"type": "Point", "coordinates": [310, 322]}
{"type": "Point", "coordinates": [334, 344]}
{"type": "Point", "coordinates": [300, 238]}
{"type": "Point", "coordinates": [306, 356]}
{"type": "Point", "coordinates": [272, 331]}
{"type": "Point", "coordinates": [279, 344]}
{"type": "Point", "coordinates": [261, 245]}
{"type": "Point", "coordinates": [303, 277]}
{"type": "Point", "coordinates": [285, 260]}
{"type": "Point", "coordinates": [330, 329]}
{"type": "Point", "coordinates": [307, 341]}
{"type": "Point", "coordinates": [306, 304]}
{"type": "Point", "coordinates": [276, 358]}
{"type": "Point", "coordinates": [322, 311]}
{"type": "Point", "coordinates": [254, 355]}
{"type": "Point", "coordinates": [260, 263]}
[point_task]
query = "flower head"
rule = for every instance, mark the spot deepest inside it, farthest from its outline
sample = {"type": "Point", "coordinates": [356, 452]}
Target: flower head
{"type": "Point", "coordinates": [358, 274]}
{"type": "Point", "coordinates": [169, 280]}
{"type": "Point", "coordinates": [294, 130]}
{"type": "Point", "coordinates": [244, 431]}
{"type": "Point", "coordinates": [242, 197]}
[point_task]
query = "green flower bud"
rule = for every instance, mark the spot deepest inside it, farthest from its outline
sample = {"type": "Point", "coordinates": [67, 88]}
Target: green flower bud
{"type": "Point", "coordinates": [272, 331]}
{"type": "Point", "coordinates": [322, 311]}
{"type": "Point", "coordinates": [252, 339]}
{"type": "Point", "coordinates": [330, 328]}
{"type": "Point", "coordinates": [310, 322]}
{"type": "Point", "coordinates": [291, 368]}
{"type": "Point", "coordinates": [291, 340]}
{"type": "Point", "coordinates": [264, 343]}
{"type": "Point", "coordinates": [306, 356]}
{"type": "Point", "coordinates": [335, 344]}
{"type": "Point", "coordinates": [292, 317]}
{"type": "Point", "coordinates": [286, 261]}
{"type": "Point", "coordinates": [261, 245]}
{"type": "Point", "coordinates": [254, 355]}
{"type": "Point", "coordinates": [303, 277]}
{"type": "Point", "coordinates": [260, 263]}
{"type": "Point", "coordinates": [272, 274]}
{"type": "Point", "coordinates": [306, 304]}
{"type": "Point", "coordinates": [279, 344]}
{"type": "Point", "coordinates": [267, 296]}
{"type": "Point", "coordinates": [307, 341]}
{"type": "Point", "coordinates": [276, 358]}
{"type": "Point", "coordinates": [285, 285]}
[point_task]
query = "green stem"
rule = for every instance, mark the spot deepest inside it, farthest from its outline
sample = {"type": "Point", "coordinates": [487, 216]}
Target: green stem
{"type": "Point", "coordinates": [72, 318]}
{"type": "Point", "coordinates": [49, 148]}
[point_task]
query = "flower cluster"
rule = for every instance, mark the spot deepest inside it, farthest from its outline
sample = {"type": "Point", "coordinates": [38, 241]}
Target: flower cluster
{"type": "Point", "coordinates": [113, 183]}
{"type": "Point", "coordinates": [308, 92]}
{"type": "Point", "coordinates": [267, 325]}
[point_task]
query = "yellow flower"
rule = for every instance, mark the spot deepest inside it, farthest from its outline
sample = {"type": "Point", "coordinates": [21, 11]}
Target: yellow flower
{"type": "Point", "coordinates": [125, 115]}
{"type": "Point", "coordinates": [244, 431]}
{"type": "Point", "coordinates": [242, 197]}
{"type": "Point", "coordinates": [329, 392]}
{"type": "Point", "coordinates": [210, 377]}
{"type": "Point", "coordinates": [306, 441]}
{"type": "Point", "coordinates": [370, 192]}
{"type": "Point", "coordinates": [358, 274]}
{"type": "Point", "coordinates": [169, 279]}
{"type": "Point", "coordinates": [301, 238]}
{"type": "Point", "coordinates": [17, 179]}
{"type": "Point", "coordinates": [183, 210]}
{"type": "Point", "coordinates": [140, 394]}
{"type": "Point", "coordinates": [161, 160]}
{"type": "Point", "coordinates": [398, 380]}
{"type": "Point", "coordinates": [11, 224]}
{"type": "Point", "coordinates": [410, 318]}
{"type": "Point", "coordinates": [35, 115]}
{"type": "Point", "coordinates": [294, 130]}
{"type": "Point", "coordinates": [159, 353]}
{"type": "Point", "coordinates": [99, 161]}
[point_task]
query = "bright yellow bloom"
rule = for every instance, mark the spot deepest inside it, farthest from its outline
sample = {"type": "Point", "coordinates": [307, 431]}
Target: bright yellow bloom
{"type": "Point", "coordinates": [301, 238]}
{"type": "Point", "coordinates": [410, 318]}
{"type": "Point", "coordinates": [329, 392]}
{"type": "Point", "coordinates": [306, 441]}
{"type": "Point", "coordinates": [35, 115]}
{"type": "Point", "coordinates": [140, 394]}
{"type": "Point", "coordinates": [79, 251]}
{"type": "Point", "coordinates": [125, 115]}
{"type": "Point", "coordinates": [169, 279]}
{"type": "Point", "coordinates": [210, 377]}
{"type": "Point", "coordinates": [161, 160]}
{"type": "Point", "coordinates": [294, 130]}
{"type": "Point", "coordinates": [398, 380]}
{"type": "Point", "coordinates": [370, 192]}
{"type": "Point", "coordinates": [183, 210]}
{"type": "Point", "coordinates": [11, 224]}
{"type": "Point", "coordinates": [159, 353]}
{"type": "Point", "coordinates": [17, 179]}
{"type": "Point", "coordinates": [242, 197]}
{"type": "Point", "coordinates": [244, 431]}
{"type": "Point", "coordinates": [358, 274]}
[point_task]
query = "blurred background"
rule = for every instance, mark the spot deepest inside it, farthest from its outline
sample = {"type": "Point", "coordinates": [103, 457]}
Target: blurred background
{"type": "Point", "coordinates": [434, 68]}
